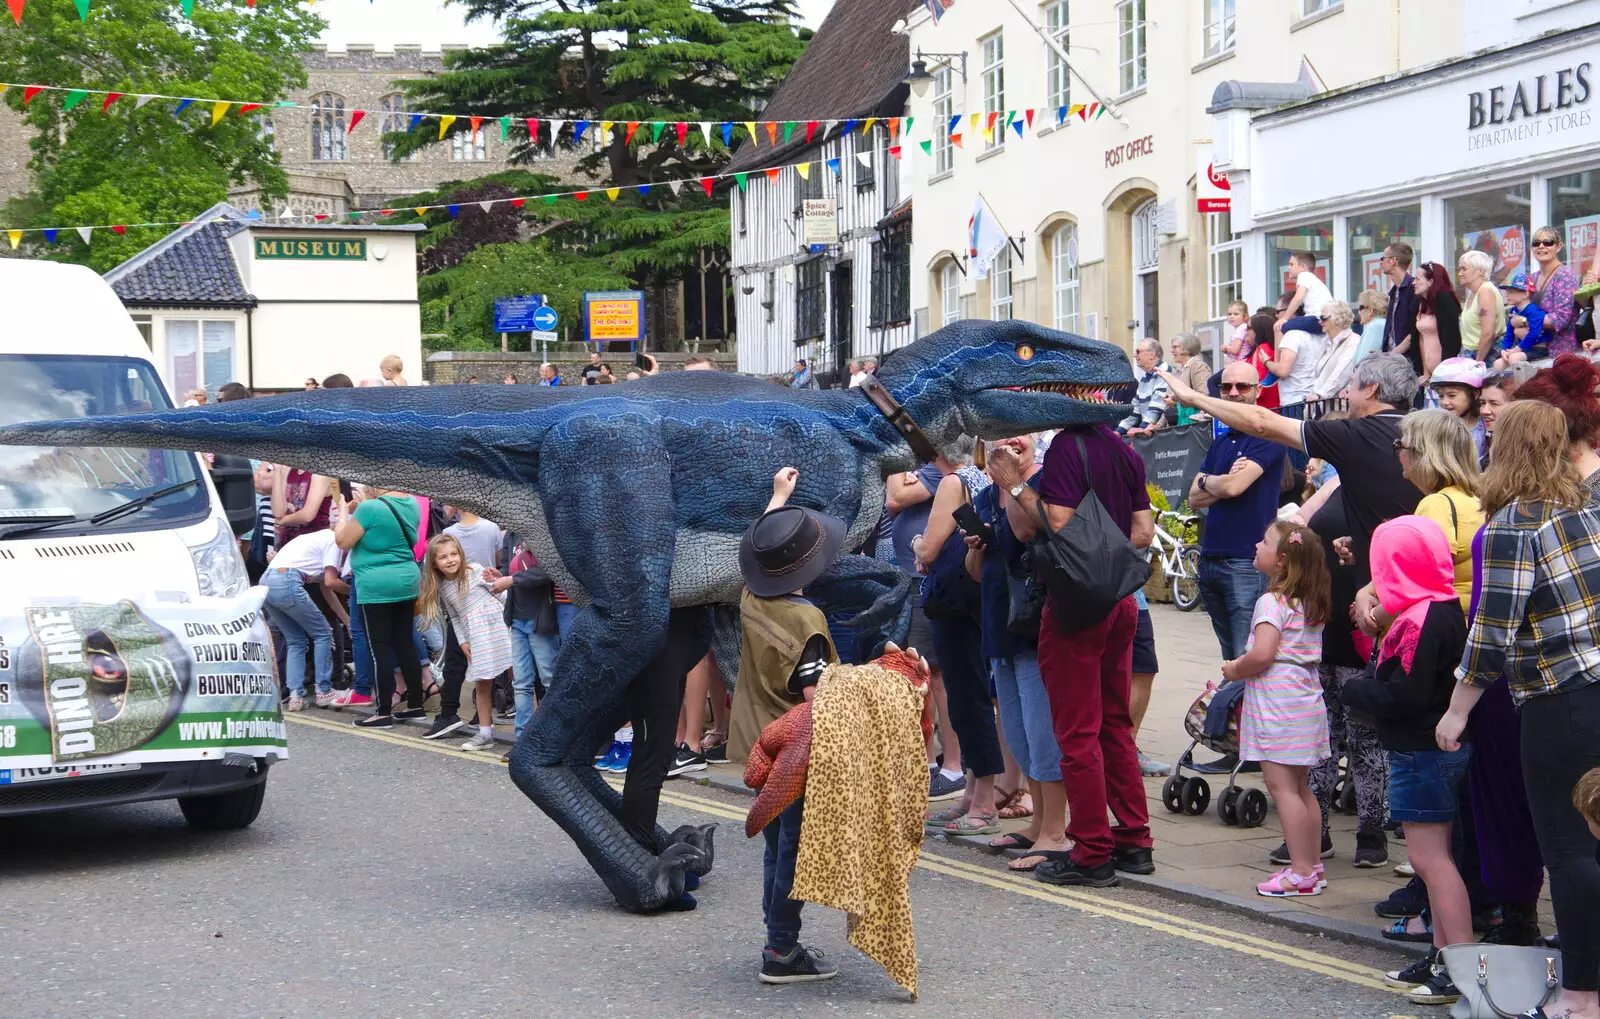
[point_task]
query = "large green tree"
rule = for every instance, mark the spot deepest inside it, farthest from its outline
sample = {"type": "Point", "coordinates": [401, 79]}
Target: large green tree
{"type": "Point", "coordinates": [127, 164]}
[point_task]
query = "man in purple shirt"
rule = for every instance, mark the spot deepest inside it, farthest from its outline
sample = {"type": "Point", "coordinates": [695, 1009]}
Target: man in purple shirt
{"type": "Point", "coordinates": [1088, 673]}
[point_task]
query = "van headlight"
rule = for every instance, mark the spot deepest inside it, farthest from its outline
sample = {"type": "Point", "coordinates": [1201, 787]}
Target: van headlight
{"type": "Point", "coordinates": [217, 566]}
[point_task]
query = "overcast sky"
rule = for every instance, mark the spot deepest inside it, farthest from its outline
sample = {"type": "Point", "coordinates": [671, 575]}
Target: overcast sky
{"type": "Point", "coordinates": [432, 22]}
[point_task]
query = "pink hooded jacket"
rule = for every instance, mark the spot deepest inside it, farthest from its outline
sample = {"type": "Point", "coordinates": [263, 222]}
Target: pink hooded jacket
{"type": "Point", "coordinates": [1412, 569]}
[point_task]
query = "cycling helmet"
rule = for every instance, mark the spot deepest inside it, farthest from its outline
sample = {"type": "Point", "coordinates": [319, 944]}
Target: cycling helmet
{"type": "Point", "coordinates": [1458, 371]}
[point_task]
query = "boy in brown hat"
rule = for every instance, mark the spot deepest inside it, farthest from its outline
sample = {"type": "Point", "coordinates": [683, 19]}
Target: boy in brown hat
{"type": "Point", "coordinates": [786, 648]}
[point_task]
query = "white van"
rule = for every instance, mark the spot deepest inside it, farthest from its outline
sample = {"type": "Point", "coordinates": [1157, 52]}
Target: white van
{"type": "Point", "coordinates": [134, 662]}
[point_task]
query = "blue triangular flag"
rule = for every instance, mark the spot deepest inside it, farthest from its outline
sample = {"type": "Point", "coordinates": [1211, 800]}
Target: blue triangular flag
{"type": "Point", "coordinates": [850, 125]}
{"type": "Point", "coordinates": [578, 129]}
{"type": "Point", "coordinates": [1061, 116]}
{"type": "Point", "coordinates": [644, 189]}
{"type": "Point", "coordinates": [1018, 125]}
{"type": "Point", "coordinates": [416, 118]}
{"type": "Point", "coordinates": [727, 134]}
{"type": "Point", "coordinates": [183, 104]}
{"type": "Point", "coordinates": [953, 122]}
{"type": "Point", "coordinates": [254, 214]}
{"type": "Point", "coordinates": [453, 210]}
{"type": "Point", "coordinates": [50, 236]}
{"type": "Point", "coordinates": [833, 164]}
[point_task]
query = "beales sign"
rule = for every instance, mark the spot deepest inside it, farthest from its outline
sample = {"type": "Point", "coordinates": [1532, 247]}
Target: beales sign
{"type": "Point", "coordinates": [1538, 106]}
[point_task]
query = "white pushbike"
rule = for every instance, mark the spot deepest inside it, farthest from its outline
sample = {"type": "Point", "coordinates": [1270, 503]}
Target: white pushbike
{"type": "Point", "coordinates": [1179, 561]}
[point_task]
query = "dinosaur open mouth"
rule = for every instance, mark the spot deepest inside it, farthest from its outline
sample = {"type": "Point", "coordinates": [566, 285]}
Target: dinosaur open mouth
{"type": "Point", "coordinates": [1087, 393]}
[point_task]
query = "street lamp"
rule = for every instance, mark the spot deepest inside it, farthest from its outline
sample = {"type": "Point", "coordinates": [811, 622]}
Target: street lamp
{"type": "Point", "coordinates": [919, 79]}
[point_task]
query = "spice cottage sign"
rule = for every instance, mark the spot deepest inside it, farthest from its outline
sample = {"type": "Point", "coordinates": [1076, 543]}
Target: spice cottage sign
{"type": "Point", "coordinates": [352, 249]}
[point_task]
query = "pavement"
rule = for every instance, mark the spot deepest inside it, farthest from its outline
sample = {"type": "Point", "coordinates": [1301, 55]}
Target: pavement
{"type": "Point", "coordinates": [387, 876]}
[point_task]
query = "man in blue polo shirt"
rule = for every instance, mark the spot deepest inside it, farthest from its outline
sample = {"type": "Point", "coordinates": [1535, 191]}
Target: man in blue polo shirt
{"type": "Point", "coordinates": [1238, 485]}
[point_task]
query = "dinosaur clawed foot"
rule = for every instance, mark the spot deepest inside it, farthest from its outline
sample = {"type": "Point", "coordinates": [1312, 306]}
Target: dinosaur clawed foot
{"type": "Point", "coordinates": [698, 837]}
{"type": "Point", "coordinates": [665, 876]}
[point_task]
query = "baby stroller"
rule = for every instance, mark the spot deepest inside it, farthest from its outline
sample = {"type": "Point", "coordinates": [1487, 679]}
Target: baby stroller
{"type": "Point", "coordinates": [1213, 722]}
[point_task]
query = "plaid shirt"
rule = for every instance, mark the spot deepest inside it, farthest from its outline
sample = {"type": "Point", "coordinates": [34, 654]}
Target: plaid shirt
{"type": "Point", "coordinates": [1538, 620]}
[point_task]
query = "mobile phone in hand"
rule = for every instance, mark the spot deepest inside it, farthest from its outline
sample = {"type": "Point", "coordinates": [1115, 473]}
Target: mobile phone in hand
{"type": "Point", "coordinates": [970, 523]}
{"type": "Point", "coordinates": [644, 362]}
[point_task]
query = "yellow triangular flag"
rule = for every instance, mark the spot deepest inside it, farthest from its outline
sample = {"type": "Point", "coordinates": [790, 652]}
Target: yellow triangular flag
{"type": "Point", "coordinates": [444, 125]}
{"type": "Point", "coordinates": [867, 127]}
{"type": "Point", "coordinates": [975, 117]}
{"type": "Point", "coordinates": [218, 111]}
{"type": "Point", "coordinates": [605, 130]}
{"type": "Point", "coordinates": [750, 126]}
{"type": "Point", "coordinates": [804, 170]}
{"type": "Point", "coordinates": [612, 193]}
{"type": "Point", "coordinates": [15, 237]}
{"type": "Point", "coordinates": [419, 210]}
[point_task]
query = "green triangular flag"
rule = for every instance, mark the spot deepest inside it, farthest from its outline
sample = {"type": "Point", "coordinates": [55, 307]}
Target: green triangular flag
{"type": "Point", "coordinates": [354, 216]}
{"type": "Point", "coordinates": [907, 125]}
{"type": "Point", "coordinates": [1010, 116]}
{"type": "Point", "coordinates": [505, 127]}
{"type": "Point", "coordinates": [788, 129]}
{"type": "Point", "coordinates": [549, 199]}
{"type": "Point", "coordinates": [83, 9]}
{"type": "Point", "coordinates": [927, 148]}
{"type": "Point", "coordinates": [284, 102]}
{"type": "Point", "coordinates": [1100, 112]}
{"type": "Point", "coordinates": [74, 97]}
{"type": "Point", "coordinates": [743, 179]}
{"type": "Point", "coordinates": [188, 8]}
{"type": "Point", "coordinates": [655, 131]}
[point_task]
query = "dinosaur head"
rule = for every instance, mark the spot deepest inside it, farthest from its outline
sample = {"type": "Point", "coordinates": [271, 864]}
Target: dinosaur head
{"type": "Point", "coordinates": [994, 380]}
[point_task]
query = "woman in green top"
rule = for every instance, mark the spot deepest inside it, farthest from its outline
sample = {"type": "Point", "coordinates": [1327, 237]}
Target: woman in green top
{"type": "Point", "coordinates": [380, 529]}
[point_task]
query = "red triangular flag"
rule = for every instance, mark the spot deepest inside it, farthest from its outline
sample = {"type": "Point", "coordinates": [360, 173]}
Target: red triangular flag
{"type": "Point", "coordinates": [992, 118]}
{"type": "Point", "coordinates": [811, 129]}
{"type": "Point", "coordinates": [321, 216]}
{"type": "Point", "coordinates": [1029, 115]}
{"type": "Point", "coordinates": [248, 107]}
{"type": "Point", "coordinates": [955, 140]}
{"type": "Point", "coordinates": [772, 131]}
{"type": "Point", "coordinates": [386, 212]}
{"type": "Point", "coordinates": [772, 174]}
{"type": "Point", "coordinates": [582, 196]}
{"type": "Point", "coordinates": [355, 117]}
{"type": "Point", "coordinates": [633, 128]}
{"type": "Point", "coordinates": [517, 203]}
{"type": "Point", "coordinates": [894, 150]}
{"type": "Point", "coordinates": [16, 9]}
{"type": "Point", "coordinates": [475, 121]}
{"type": "Point", "coordinates": [706, 183]}
{"type": "Point", "coordinates": [533, 129]}
{"type": "Point", "coordinates": [119, 229]}
{"type": "Point", "coordinates": [683, 133]}
{"type": "Point", "coordinates": [111, 97]}
{"type": "Point", "coordinates": [32, 90]}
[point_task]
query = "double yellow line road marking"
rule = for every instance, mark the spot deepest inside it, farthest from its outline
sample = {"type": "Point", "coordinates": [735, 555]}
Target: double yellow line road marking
{"type": "Point", "coordinates": [1091, 903]}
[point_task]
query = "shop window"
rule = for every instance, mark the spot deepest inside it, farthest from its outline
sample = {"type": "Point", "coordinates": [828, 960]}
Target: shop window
{"type": "Point", "coordinates": [949, 294]}
{"type": "Point", "coordinates": [1146, 241]}
{"type": "Point", "coordinates": [1219, 27]}
{"type": "Point", "coordinates": [200, 355]}
{"type": "Point", "coordinates": [1225, 255]}
{"type": "Point", "coordinates": [327, 128]}
{"type": "Point", "coordinates": [891, 277]}
{"type": "Point", "coordinates": [810, 301]}
{"type": "Point", "coordinates": [1057, 76]}
{"type": "Point", "coordinates": [944, 110]}
{"type": "Point", "coordinates": [1064, 282]}
{"type": "Point", "coordinates": [1001, 303]}
{"type": "Point", "coordinates": [469, 146]}
{"type": "Point", "coordinates": [1368, 235]}
{"type": "Point", "coordinates": [1316, 238]}
{"type": "Point", "coordinates": [994, 90]}
{"type": "Point", "coordinates": [1494, 222]}
{"type": "Point", "coordinates": [1575, 212]}
{"type": "Point", "coordinates": [1131, 69]}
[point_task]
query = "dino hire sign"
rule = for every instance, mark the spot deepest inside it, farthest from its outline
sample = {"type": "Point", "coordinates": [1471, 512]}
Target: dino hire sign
{"type": "Point", "coordinates": [614, 316]}
{"type": "Point", "coordinates": [353, 249]}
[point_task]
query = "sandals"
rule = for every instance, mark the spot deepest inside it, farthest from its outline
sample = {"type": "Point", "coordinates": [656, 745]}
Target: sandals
{"type": "Point", "coordinates": [1286, 884]}
{"type": "Point", "coordinates": [1012, 807]}
{"type": "Point", "coordinates": [1010, 840]}
{"type": "Point", "coordinates": [937, 819]}
{"type": "Point", "coordinates": [1399, 930]}
{"type": "Point", "coordinates": [974, 824]}
{"type": "Point", "coordinates": [1028, 862]}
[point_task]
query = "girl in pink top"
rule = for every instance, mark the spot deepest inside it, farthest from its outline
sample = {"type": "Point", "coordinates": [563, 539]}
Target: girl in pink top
{"type": "Point", "coordinates": [1284, 723]}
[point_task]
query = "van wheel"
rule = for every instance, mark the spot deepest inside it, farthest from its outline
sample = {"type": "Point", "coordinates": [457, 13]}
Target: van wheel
{"type": "Point", "coordinates": [224, 811]}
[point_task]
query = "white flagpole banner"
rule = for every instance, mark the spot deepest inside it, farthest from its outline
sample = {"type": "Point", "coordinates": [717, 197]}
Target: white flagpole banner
{"type": "Point", "coordinates": [985, 239]}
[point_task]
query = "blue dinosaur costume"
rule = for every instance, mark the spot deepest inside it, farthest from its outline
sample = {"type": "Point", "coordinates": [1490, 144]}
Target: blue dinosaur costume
{"type": "Point", "coordinates": [634, 497]}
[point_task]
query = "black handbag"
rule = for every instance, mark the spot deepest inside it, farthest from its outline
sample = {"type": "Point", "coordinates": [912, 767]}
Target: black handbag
{"type": "Point", "coordinates": [1088, 566]}
{"type": "Point", "coordinates": [948, 591]}
{"type": "Point", "coordinates": [1027, 600]}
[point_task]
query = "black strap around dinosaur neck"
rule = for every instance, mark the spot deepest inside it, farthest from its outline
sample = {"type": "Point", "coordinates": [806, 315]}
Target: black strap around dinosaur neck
{"type": "Point", "coordinates": [900, 418]}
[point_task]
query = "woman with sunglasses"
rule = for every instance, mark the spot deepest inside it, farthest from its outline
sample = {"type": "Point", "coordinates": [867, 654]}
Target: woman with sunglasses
{"type": "Point", "coordinates": [1437, 335]}
{"type": "Point", "coordinates": [1553, 287]}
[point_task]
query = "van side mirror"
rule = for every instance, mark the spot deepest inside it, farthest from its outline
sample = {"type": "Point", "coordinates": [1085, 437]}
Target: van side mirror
{"type": "Point", "coordinates": [236, 488]}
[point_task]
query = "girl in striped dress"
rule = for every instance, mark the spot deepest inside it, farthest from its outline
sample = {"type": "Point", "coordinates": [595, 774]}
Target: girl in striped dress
{"type": "Point", "coordinates": [456, 587]}
{"type": "Point", "coordinates": [1284, 723]}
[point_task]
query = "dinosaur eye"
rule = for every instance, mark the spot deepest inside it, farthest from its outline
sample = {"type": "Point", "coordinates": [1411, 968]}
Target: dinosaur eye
{"type": "Point", "coordinates": [1024, 352]}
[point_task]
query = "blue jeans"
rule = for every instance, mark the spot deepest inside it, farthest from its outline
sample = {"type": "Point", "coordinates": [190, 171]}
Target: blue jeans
{"type": "Point", "coordinates": [533, 656]}
{"type": "Point", "coordinates": [1424, 784]}
{"type": "Point", "coordinates": [360, 650]}
{"type": "Point", "coordinates": [781, 913]}
{"type": "Point", "coordinates": [1229, 589]}
{"type": "Point", "coordinates": [299, 620]}
{"type": "Point", "coordinates": [565, 614]}
{"type": "Point", "coordinates": [1305, 323]}
{"type": "Point", "coordinates": [1025, 715]}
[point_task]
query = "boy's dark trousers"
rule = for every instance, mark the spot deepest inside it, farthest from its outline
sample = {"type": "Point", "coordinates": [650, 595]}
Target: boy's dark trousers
{"type": "Point", "coordinates": [455, 673]}
{"type": "Point", "coordinates": [782, 914]}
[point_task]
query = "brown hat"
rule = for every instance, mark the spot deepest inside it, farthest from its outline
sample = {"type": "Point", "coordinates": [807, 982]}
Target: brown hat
{"type": "Point", "coordinates": [788, 548]}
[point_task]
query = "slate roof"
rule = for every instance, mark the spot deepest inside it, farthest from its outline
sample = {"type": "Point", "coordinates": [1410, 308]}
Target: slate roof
{"type": "Point", "coordinates": [192, 265]}
{"type": "Point", "coordinates": [854, 67]}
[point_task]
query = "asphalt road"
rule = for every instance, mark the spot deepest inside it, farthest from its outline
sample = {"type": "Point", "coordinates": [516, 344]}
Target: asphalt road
{"type": "Point", "coordinates": [388, 877]}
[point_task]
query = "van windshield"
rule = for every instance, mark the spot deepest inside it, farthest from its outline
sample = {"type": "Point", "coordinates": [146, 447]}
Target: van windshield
{"type": "Point", "coordinates": [63, 482]}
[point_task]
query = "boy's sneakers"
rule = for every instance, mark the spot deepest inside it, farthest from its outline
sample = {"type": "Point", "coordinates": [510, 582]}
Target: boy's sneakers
{"type": "Point", "coordinates": [616, 759]}
{"type": "Point", "coordinates": [686, 761]}
{"type": "Point", "coordinates": [1414, 975]}
{"type": "Point", "coordinates": [1405, 902]}
{"type": "Point", "coordinates": [296, 703]}
{"type": "Point", "coordinates": [942, 787]}
{"type": "Point", "coordinates": [801, 965]}
{"type": "Point", "coordinates": [1372, 848]}
{"type": "Point", "coordinates": [350, 699]}
{"type": "Point", "coordinates": [1439, 989]}
{"type": "Point", "coordinates": [478, 742]}
{"type": "Point", "coordinates": [1149, 767]}
{"type": "Point", "coordinates": [374, 722]}
{"type": "Point", "coordinates": [325, 700]}
{"type": "Point", "coordinates": [444, 725]}
{"type": "Point", "coordinates": [1280, 856]}
{"type": "Point", "coordinates": [1133, 860]}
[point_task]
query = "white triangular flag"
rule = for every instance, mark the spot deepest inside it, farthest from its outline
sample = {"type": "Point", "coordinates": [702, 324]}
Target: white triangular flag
{"type": "Point", "coordinates": [865, 159]}
{"type": "Point", "coordinates": [486, 206]}
{"type": "Point", "coordinates": [676, 186]}
{"type": "Point", "coordinates": [85, 232]}
{"type": "Point", "coordinates": [555, 131]}
{"type": "Point", "coordinates": [141, 100]}
{"type": "Point", "coordinates": [705, 129]}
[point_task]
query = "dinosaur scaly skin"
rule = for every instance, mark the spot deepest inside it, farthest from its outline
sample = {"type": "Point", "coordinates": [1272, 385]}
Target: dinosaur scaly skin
{"type": "Point", "coordinates": [634, 496]}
